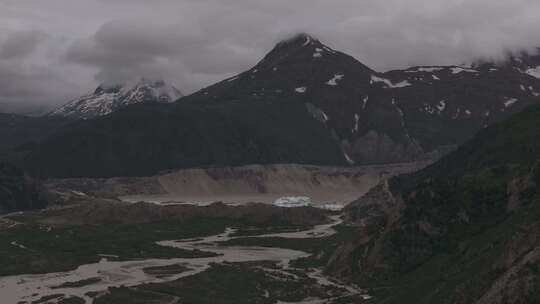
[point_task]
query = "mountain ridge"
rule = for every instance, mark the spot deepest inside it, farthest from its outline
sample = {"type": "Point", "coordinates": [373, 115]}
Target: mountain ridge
{"type": "Point", "coordinates": [373, 118]}
{"type": "Point", "coordinates": [413, 111]}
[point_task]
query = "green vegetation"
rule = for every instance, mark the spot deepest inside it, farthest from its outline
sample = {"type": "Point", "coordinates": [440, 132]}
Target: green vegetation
{"type": "Point", "coordinates": [62, 249]}
{"type": "Point", "coordinates": [81, 283]}
{"type": "Point", "coordinates": [463, 218]}
{"type": "Point", "coordinates": [224, 284]}
{"type": "Point", "coordinates": [323, 248]}
{"type": "Point", "coordinates": [72, 300]}
{"type": "Point", "coordinates": [166, 270]}
{"type": "Point", "coordinates": [59, 299]}
{"type": "Point", "coordinates": [35, 248]}
{"type": "Point", "coordinates": [255, 231]}
{"type": "Point", "coordinates": [463, 273]}
{"type": "Point", "coordinates": [124, 295]}
{"type": "Point", "coordinates": [20, 133]}
{"type": "Point", "coordinates": [17, 191]}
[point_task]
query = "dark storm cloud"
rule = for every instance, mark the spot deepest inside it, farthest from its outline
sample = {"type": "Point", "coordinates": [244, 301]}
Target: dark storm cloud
{"type": "Point", "coordinates": [32, 84]}
{"type": "Point", "coordinates": [22, 80]}
{"type": "Point", "coordinates": [125, 49]}
{"type": "Point", "coordinates": [193, 43]}
{"type": "Point", "coordinates": [20, 44]}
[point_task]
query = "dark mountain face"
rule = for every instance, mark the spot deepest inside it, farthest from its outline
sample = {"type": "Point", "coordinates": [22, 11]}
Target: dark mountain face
{"type": "Point", "coordinates": [19, 133]}
{"type": "Point", "coordinates": [147, 138]}
{"type": "Point", "coordinates": [464, 230]}
{"type": "Point", "coordinates": [372, 117]}
{"type": "Point", "coordinates": [524, 62]}
{"type": "Point", "coordinates": [382, 117]}
{"type": "Point", "coordinates": [447, 105]}
{"type": "Point", "coordinates": [17, 191]}
{"type": "Point", "coordinates": [334, 86]}
{"type": "Point", "coordinates": [303, 68]}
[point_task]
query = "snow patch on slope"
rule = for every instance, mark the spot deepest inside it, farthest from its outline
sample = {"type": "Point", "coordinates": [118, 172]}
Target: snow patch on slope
{"type": "Point", "coordinates": [348, 159]}
{"type": "Point", "coordinates": [441, 106]}
{"type": "Point", "coordinates": [425, 69]}
{"type": "Point", "coordinates": [388, 83]}
{"type": "Point", "coordinates": [365, 101]}
{"type": "Point", "coordinates": [534, 72]}
{"type": "Point", "coordinates": [300, 90]}
{"type": "Point", "coordinates": [308, 40]}
{"type": "Point", "coordinates": [356, 121]}
{"type": "Point", "coordinates": [457, 70]}
{"type": "Point", "coordinates": [510, 102]}
{"type": "Point", "coordinates": [334, 81]}
{"type": "Point", "coordinates": [232, 79]}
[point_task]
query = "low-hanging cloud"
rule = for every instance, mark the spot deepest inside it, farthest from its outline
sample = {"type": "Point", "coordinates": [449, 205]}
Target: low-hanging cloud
{"type": "Point", "coordinates": [23, 78]}
{"type": "Point", "coordinates": [193, 43]}
{"type": "Point", "coordinates": [20, 44]}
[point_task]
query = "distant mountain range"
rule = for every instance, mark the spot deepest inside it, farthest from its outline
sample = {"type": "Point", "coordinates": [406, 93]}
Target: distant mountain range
{"type": "Point", "coordinates": [107, 99]}
{"type": "Point", "coordinates": [274, 112]}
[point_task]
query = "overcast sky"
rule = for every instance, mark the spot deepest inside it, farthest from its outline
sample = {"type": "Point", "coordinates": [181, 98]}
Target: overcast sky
{"type": "Point", "coordinates": [53, 50]}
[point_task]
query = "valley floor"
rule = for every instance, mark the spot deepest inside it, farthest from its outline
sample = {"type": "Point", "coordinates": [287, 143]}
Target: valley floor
{"type": "Point", "coordinates": [114, 280]}
{"type": "Point", "coordinates": [167, 241]}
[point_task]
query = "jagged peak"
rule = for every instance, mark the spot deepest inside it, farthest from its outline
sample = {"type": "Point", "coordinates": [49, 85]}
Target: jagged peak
{"type": "Point", "coordinates": [136, 83]}
{"type": "Point", "coordinates": [110, 97]}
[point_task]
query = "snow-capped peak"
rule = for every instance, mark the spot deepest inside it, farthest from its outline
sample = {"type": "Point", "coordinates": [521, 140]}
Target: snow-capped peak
{"type": "Point", "coordinates": [146, 90]}
{"type": "Point", "coordinates": [109, 98]}
{"type": "Point", "coordinates": [298, 48]}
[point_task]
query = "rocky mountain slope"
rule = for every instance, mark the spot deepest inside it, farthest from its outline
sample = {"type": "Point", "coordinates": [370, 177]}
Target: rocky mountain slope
{"type": "Point", "coordinates": [365, 116]}
{"type": "Point", "coordinates": [17, 191]}
{"type": "Point", "coordinates": [145, 139]}
{"type": "Point", "coordinates": [19, 133]}
{"type": "Point", "coordinates": [383, 117]}
{"type": "Point", "coordinates": [464, 230]}
{"type": "Point", "coordinates": [107, 99]}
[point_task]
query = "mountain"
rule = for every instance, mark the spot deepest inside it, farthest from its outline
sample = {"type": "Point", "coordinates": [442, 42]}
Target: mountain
{"type": "Point", "coordinates": [17, 191]}
{"type": "Point", "coordinates": [381, 117]}
{"type": "Point", "coordinates": [107, 99]}
{"type": "Point", "coordinates": [464, 230]}
{"type": "Point", "coordinates": [144, 139]}
{"type": "Point", "coordinates": [20, 133]}
{"type": "Point", "coordinates": [365, 116]}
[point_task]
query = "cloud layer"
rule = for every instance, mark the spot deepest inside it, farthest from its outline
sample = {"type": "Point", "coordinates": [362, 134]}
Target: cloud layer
{"type": "Point", "coordinates": [51, 51]}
